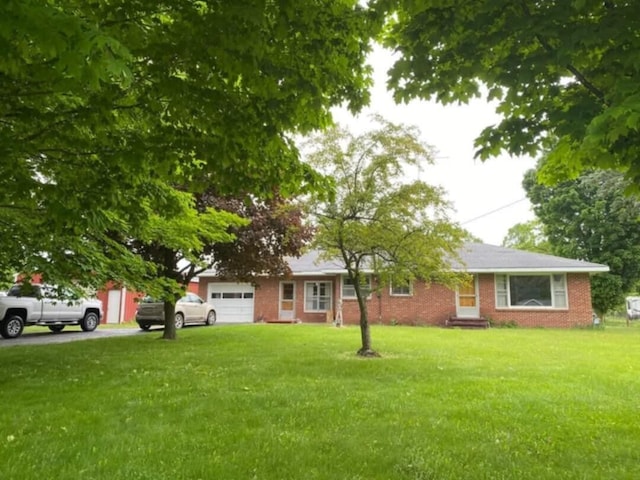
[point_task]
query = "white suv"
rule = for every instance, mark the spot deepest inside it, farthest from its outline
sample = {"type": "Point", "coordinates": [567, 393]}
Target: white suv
{"type": "Point", "coordinates": [189, 309]}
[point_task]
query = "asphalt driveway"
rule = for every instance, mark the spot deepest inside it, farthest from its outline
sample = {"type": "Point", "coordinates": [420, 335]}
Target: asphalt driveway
{"type": "Point", "coordinates": [46, 337]}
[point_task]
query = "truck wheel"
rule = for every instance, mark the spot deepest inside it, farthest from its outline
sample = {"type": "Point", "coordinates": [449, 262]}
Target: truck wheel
{"type": "Point", "coordinates": [56, 328]}
{"type": "Point", "coordinates": [211, 317]}
{"type": "Point", "coordinates": [90, 322]}
{"type": "Point", "coordinates": [144, 326]}
{"type": "Point", "coordinates": [12, 326]}
{"type": "Point", "coordinates": [179, 320]}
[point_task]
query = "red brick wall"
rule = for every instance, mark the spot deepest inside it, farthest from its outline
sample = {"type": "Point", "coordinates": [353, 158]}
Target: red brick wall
{"type": "Point", "coordinates": [578, 313]}
{"type": "Point", "coordinates": [268, 294]}
{"type": "Point", "coordinates": [428, 305]}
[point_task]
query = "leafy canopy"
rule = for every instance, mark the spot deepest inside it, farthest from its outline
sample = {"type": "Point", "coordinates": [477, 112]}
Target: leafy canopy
{"type": "Point", "coordinates": [108, 105]}
{"type": "Point", "coordinates": [275, 229]}
{"type": "Point", "coordinates": [528, 236]}
{"type": "Point", "coordinates": [565, 74]}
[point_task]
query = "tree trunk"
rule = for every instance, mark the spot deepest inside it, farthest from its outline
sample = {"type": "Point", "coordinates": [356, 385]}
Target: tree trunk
{"type": "Point", "coordinates": [169, 320]}
{"type": "Point", "coordinates": [365, 330]}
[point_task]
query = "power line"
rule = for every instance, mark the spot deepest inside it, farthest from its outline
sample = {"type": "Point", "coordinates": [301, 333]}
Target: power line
{"type": "Point", "coordinates": [494, 211]}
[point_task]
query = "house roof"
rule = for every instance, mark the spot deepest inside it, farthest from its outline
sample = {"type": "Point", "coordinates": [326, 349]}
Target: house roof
{"type": "Point", "coordinates": [480, 258]}
{"type": "Point", "coordinates": [476, 258]}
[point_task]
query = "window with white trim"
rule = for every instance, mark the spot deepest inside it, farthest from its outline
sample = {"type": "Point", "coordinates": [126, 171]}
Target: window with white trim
{"type": "Point", "coordinates": [531, 291]}
{"type": "Point", "coordinates": [317, 296]}
{"type": "Point", "coordinates": [349, 289]}
{"type": "Point", "coordinates": [400, 289]}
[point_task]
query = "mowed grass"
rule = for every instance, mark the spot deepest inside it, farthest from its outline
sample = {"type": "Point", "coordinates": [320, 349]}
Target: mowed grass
{"type": "Point", "coordinates": [294, 402]}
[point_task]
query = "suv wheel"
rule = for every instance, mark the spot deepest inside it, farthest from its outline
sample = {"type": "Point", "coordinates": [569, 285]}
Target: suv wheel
{"type": "Point", "coordinates": [144, 326]}
{"type": "Point", "coordinates": [211, 317]}
{"type": "Point", "coordinates": [179, 320]}
{"type": "Point", "coordinates": [12, 326]}
{"type": "Point", "coordinates": [90, 322]}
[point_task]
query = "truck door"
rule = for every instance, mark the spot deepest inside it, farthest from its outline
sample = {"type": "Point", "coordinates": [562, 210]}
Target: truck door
{"type": "Point", "coordinates": [47, 303]}
{"type": "Point", "coordinates": [69, 309]}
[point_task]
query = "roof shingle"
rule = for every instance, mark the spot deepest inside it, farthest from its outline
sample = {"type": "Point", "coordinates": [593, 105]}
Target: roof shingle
{"type": "Point", "coordinates": [476, 258]}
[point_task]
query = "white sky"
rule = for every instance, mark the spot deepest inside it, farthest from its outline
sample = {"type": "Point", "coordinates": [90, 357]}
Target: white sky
{"type": "Point", "coordinates": [475, 188]}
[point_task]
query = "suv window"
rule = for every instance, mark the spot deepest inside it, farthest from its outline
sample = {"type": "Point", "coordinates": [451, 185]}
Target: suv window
{"type": "Point", "coordinates": [194, 298]}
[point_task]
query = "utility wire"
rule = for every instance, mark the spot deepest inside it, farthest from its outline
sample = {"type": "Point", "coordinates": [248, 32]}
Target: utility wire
{"type": "Point", "coordinates": [494, 211]}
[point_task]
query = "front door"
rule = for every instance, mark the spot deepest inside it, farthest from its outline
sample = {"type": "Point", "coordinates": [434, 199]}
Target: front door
{"type": "Point", "coordinates": [467, 305]}
{"type": "Point", "coordinates": [287, 300]}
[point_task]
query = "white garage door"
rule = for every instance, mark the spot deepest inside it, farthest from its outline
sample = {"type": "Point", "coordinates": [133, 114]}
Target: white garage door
{"type": "Point", "coordinates": [233, 301]}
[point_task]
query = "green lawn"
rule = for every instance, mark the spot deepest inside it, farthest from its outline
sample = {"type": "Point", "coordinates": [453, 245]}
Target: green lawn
{"type": "Point", "coordinates": [294, 402]}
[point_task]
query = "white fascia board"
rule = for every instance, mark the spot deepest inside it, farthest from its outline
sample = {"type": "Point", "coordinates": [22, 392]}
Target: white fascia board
{"type": "Point", "coordinates": [327, 273]}
{"type": "Point", "coordinates": [310, 274]}
{"type": "Point", "coordinates": [536, 270]}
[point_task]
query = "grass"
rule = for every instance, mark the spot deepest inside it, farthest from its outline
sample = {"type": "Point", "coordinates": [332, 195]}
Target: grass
{"type": "Point", "coordinates": [294, 402]}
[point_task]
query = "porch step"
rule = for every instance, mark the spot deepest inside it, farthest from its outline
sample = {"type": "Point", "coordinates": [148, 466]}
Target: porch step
{"type": "Point", "coordinates": [475, 322]}
{"type": "Point", "coordinates": [279, 320]}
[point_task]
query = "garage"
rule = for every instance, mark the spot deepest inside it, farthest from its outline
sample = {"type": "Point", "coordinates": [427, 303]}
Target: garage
{"type": "Point", "coordinates": [233, 301]}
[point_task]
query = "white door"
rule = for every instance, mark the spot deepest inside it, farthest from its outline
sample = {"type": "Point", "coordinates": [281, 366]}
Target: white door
{"type": "Point", "coordinates": [113, 306]}
{"type": "Point", "coordinates": [287, 300]}
{"type": "Point", "coordinates": [467, 304]}
{"type": "Point", "coordinates": [233, 301]}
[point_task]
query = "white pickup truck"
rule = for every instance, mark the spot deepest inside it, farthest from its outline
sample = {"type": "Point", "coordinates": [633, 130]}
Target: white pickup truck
{"type": "Point", "coordinates": [36, 305]}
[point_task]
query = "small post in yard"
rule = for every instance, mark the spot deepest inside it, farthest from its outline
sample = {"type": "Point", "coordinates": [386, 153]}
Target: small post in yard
{"type": "Point", "coordinates": [338, 321]}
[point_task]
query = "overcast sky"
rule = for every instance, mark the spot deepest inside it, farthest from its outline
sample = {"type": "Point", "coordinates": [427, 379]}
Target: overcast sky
{"type": "Point", "coordinates": [487, 196]}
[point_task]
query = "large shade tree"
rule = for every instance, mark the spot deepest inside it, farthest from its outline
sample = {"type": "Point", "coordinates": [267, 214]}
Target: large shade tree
{"type": "Point", "coordinates": [252, 237]}
{"type": "Point", "coordinates": [377, 220]}
{"type": "Point", "coordinates": [591, 218]}
{"type": "Point", "coordinates": [107, 105]}
{"type": "Point", "coordinates": [565, 75]}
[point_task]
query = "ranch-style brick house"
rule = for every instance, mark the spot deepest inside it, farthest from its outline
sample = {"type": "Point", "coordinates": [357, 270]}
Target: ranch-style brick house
{"type": "Point", "coordinates": [509, 287]}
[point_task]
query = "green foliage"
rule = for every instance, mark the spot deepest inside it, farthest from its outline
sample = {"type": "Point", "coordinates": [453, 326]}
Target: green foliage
{"type": "Point", "coordinates": [107, 106]}
{"type": "Point", "coordinates": [275, 229]}
{"type": "Point", "coordinates": [590, 218]}
{"type": "Point", "coordinates": [565, 74]}
{"type": "Point", "coordinates": [528, 236]}
{"type": "Point", "coordinates": [377, 220]}
{"type": "Point", "coordinates": [275, 402]}
{"type": "Point", "coordinates": [607, 293]}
